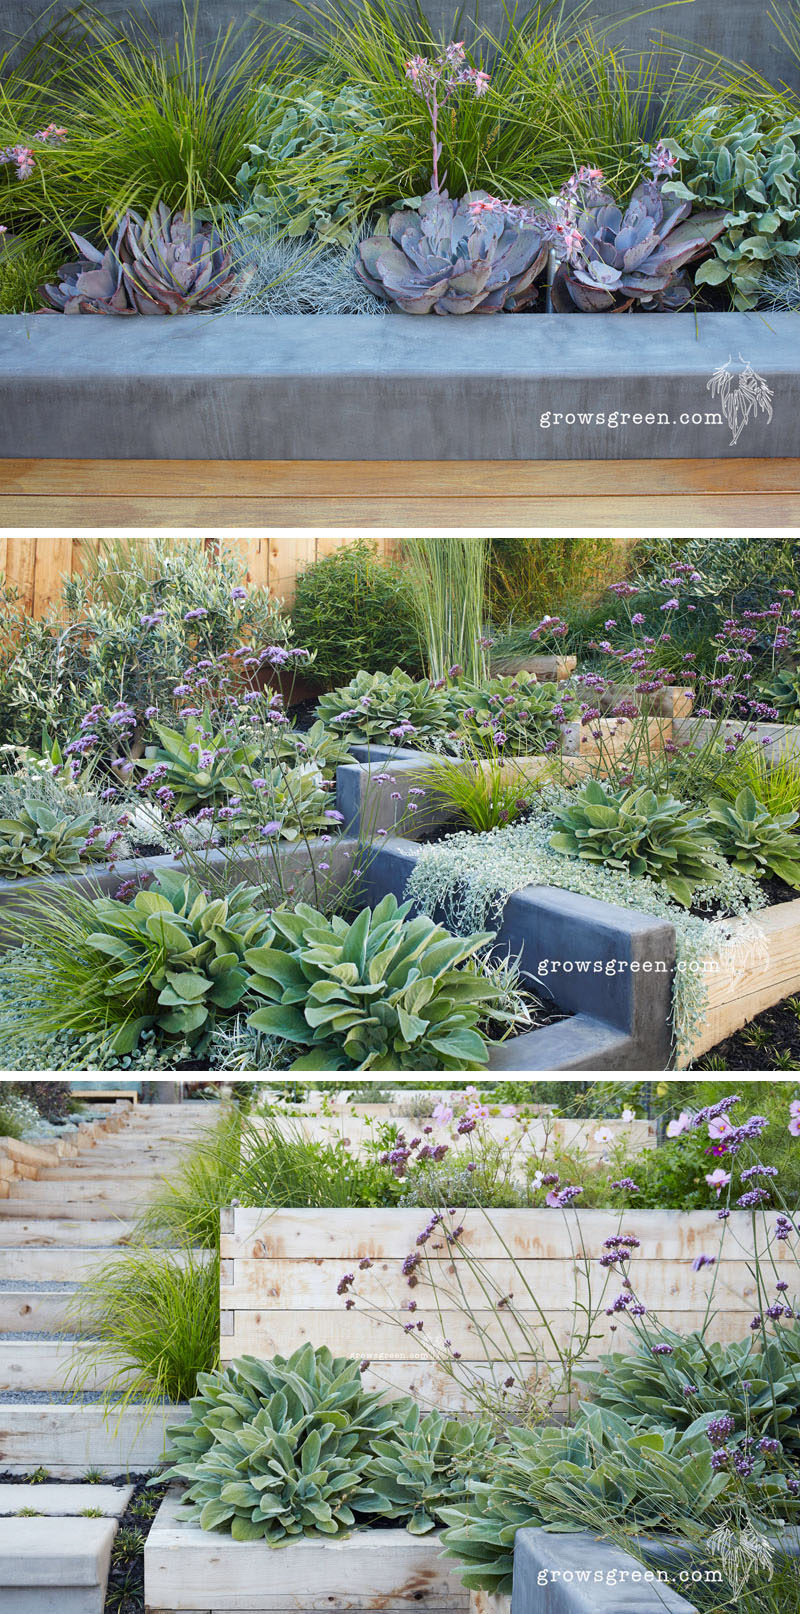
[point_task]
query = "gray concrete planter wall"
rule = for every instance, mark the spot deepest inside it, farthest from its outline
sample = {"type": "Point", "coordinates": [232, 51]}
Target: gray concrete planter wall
{"type": "Point", "coordinates": [737, 29]}
{"type": "Point", "coordinates": [320, 387]}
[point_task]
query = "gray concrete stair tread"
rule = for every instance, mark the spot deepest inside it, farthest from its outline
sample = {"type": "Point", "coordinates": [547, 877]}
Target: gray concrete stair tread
{"type": "Point", "coordinates": [65, 1501]}
{"type": "Point", "coordinates": [55, 1552]}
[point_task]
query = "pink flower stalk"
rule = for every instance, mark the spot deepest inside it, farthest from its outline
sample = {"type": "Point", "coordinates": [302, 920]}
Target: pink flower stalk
{"type": "Point", "coordinates": [435, 80]}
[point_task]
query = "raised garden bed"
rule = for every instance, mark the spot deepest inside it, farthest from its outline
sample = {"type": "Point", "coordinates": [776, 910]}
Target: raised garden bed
{"type": "Point", "coordinates": [188, 1569]}
{"type": "Point", "coordinates": [280, 1270]}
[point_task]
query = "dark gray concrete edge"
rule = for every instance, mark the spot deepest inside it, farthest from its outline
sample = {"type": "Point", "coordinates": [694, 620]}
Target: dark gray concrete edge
{"type": "Point", "coordinates": [580, 1573]}
{"type": "Point", "coordinates": [620, 997]}
{"type": "Point", "coordinates": [324, 387]}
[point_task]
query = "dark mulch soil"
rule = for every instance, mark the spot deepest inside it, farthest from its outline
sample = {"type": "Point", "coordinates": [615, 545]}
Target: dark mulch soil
{"type": "Point", "coordinates": [775, 892]}
{"type": "Point", "coordinates": [125, 1591]}
{"type": "Point", "coordinates": [770, 1042]}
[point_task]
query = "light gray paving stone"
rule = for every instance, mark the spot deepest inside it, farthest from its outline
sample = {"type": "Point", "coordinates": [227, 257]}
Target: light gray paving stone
{"type": "Point", "coordinates": [54, 1566]}
{"type": "Point", "coordinates": [65, 1501]}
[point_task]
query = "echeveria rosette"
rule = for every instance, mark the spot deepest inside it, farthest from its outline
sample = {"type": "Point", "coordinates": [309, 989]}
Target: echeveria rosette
{"type": "Point", "coordinates": [634, 254]}
{"type": "Point", "coordinates": [383, 993]}
{"type": "Point", "coordinates": [449, 257]}
{"type": "Point", "coordinates": [166, 263]}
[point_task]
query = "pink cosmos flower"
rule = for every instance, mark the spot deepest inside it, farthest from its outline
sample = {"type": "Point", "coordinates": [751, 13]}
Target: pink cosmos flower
{"type": "Point", "coordinates": [718, 1179]}
{"type": "Point", "coordinates": [679, 1125]}
{"type": "Point", "coordinates": [719, 1127]}
{"type": "Point", "coordinates": [442, 1114]}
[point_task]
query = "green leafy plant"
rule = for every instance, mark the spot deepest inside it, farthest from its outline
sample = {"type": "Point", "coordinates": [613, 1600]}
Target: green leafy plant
{"type": "Point", "coordinates": [648, 834]}
{"type": "Point", "coordinates": [385, 708]}
{"type": "Point", "coordinates": [37, 841]}
{"type": "Point", "coordinates": [314, 162]}
{"type": "Point", "coordinates": [526, 713]}
{"type": "Point", "coordinates": [755, 840]}
{"type": "Point", "coordinates": [427, 1464]}
{"type": "Point", "coordinates": [385, 992]}
{"type": "Point", "coordinates": [373, 596]}
{"type": "Point", "coordinates": [171, 961]}
{"type": "Point", "coordinates": [280, 1449]}
{"type": "Point", "coordinates": [750, 166]}
{"type": "Point", "coordinates": [783, 692]}
{"type": "Point", "coordinates": [641, 1384]}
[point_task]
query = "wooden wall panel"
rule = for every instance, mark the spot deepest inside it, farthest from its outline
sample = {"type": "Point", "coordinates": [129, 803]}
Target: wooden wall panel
{"type": "Point", "coordinates": [36, 567]}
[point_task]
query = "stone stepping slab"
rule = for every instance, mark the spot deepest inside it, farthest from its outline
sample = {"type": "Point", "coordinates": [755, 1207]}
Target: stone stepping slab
{"type": "Point", "coordinates": [65, 1501]}
{"type": "Point", "coordinates": [55, 1565]}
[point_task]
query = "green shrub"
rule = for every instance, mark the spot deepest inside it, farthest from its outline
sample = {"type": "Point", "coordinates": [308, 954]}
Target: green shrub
{"type": "Point", "coordinates": [427, 1464]}
{"type": "Point", "coordinates": [533, 577]}
{"type": "Point", "coordinates": [314, 161]}
{"type": "Point", "coordinates": [386, 708]}
{"type": "Point", "coordinates": [644, 833]}
{"type": "Point", "coordinates": [17, 1115]}
{"type": "Point", "coordinates": [383, 993]}
{"type": "Point", "coordinates": [645, 1475]}
{"type": "Point", "coordinates": [639, 1384]}
{"type": "Point", "coordinates": [280, 1449]}
{"type": "Point", "coordinates": [356, 612]}
{"type": "Point", "coordinates": [526, 713]}
{"type": "Point", "coordinates": [783, 692]}
{"type": "Point", "coordinates": [751, 167]}
{"type": "Point", "coordinates": [755, 840]}
{"type": "Point", "coordinates": [36, 841]}
{"type": "Point", "coordinates": [170, 960]}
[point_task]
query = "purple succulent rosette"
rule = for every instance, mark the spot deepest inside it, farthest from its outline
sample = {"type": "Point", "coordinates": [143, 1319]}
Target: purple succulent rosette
{"type": "Point", "coordinates": [449, 257]}
{"type": "Point", "coordinates": [164, 264]}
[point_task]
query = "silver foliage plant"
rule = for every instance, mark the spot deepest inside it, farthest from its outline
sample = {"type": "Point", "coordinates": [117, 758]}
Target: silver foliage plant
{"type": "Point", "coordinates": [290, 275]}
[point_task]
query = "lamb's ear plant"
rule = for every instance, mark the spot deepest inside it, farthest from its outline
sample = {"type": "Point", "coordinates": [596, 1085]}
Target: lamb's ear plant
{"type": "Point", "coordinates": [280, 1449]}
{"type": "Point", "coordinates": [428, 1464]}
{"type": "Point", "coordinates": [755, 840]}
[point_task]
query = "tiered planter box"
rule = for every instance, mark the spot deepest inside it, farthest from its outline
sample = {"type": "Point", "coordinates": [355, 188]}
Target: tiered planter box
{"type": "Point", "coordinates": [192, 1571]}
{"type": "Point", "coordinates": [280, 1270]}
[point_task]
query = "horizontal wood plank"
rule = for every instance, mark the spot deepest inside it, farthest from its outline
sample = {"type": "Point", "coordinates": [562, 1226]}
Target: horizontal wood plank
{"type": "Point", "coordinates": [481, 1336]}
{"type": "Point", "coordinates": [481, 479]}
{"type": "Point", "coordinates": [296, 1286]}
{"type": "Point", "coordinates": [498, 513]}
{"type": "Point", "coordinates": [761, 968]}
{"type": "Point", "coordinates": [350, 1235]}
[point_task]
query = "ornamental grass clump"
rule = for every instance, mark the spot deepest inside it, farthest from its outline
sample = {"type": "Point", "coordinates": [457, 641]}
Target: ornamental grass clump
{"type": "Point", "coordinates": [383, 993]}
{"type": "Point", "coordinates": [651, 835]}
{"type": "Point", "coordinates": [281, 1449]}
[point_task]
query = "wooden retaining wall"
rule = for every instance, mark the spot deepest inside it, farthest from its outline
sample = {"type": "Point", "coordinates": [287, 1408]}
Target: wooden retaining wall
{"type": "Point", "coordinates": [280, 1270]}
{"type": "Point", "coordinates": [635, 494]}
{"type": "Point", "coordinates": [37, 566]}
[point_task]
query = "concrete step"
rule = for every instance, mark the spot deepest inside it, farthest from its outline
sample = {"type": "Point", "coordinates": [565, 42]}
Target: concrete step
{"type": "Point", "coordinates": [17, 1230]}
{"type": "Point", "coordinates": [35, 1311]}
{"type": "Point", "coordinates": [64, 1501]}
{"type": "Point", "coordinates": [54, 1364]}
{"type": "Point", "coordinates": [68, 1440]}
{"type": "Point", "coordinates": [54, 1564]}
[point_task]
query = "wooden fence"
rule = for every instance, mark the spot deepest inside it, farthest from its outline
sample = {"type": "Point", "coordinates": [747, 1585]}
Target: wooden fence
{"type": "Point", "coordinates": [36, 567]}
